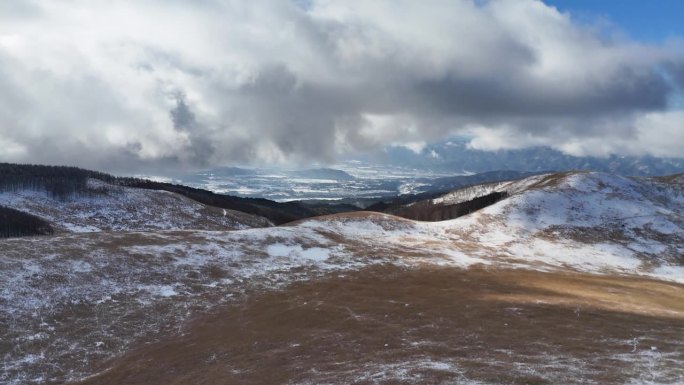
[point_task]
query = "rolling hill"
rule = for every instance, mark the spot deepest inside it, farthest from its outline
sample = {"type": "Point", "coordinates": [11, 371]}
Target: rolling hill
{"type": "Point", "coordinates": [569, 278]}
{"type": "Point", "coordinates": [103, 206]}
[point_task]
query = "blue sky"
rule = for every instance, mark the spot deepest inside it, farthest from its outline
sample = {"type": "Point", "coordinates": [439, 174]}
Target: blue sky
{"type": "Point", "coordinates": [644, 20]}
{"type": "Point", "coordinates": [653, 22]}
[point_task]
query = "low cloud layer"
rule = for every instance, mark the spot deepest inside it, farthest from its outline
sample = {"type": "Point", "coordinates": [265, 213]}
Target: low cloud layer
{"type": "Point", "coordinates": [157, 83]}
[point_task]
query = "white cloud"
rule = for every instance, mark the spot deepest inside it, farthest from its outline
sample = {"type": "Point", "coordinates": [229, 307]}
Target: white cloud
{"type": "Point", "coordinates": [93, 82]}
{"type": "Point", "coordinates": [659, 134]}
{"type": "Point", "coordinates": [11, 150]}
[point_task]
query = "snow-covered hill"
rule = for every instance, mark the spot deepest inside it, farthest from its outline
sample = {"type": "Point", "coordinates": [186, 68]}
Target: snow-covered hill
{"type": "Point", "coordinates": [472, 192]}
{"type": "Point", "coordinates": [589, 221]}
{"type": "Point", "coordinates": [71, 300]}
{"type": "Point", "coordinates": [106, 207]}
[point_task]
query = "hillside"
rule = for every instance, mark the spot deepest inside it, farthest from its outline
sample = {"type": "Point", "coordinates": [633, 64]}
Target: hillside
{"type": "Point", "coordinates": [47, 190]}
{"type": "Point", "coordinates": [566, 279]}
{"type": "Point", "coordinates": [102, 206]}
{"type": "Point", "coordinates": [470, 186]}
{"type": "Point", "coordinates": [639, 217]}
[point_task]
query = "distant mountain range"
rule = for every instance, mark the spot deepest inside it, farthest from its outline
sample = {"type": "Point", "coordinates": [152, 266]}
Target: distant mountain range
{"type": "Point", "coordinates": [436, 168]}
{"type": "Point", "coordinates": [454, 155]}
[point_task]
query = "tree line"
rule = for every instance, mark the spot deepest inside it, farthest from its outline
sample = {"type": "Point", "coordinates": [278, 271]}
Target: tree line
{"type": "Point", "coordinates": [59, 182]}
{"type": "Point", "coordinates": [14, 223]}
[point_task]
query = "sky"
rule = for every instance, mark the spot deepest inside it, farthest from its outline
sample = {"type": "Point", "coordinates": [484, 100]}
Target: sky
{"type": "Point", "coordinates": [129, 85]}
{"type": "Point", "coordinates": [645, 21]}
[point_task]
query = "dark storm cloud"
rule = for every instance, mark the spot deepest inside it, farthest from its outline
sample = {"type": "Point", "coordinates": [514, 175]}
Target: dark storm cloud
{"type": "Point", "coordinates": [199, 148]}
{"type": "Point", "coordinates": [517, 97]}
{"type": "Point", "coordinates": [275, 82]}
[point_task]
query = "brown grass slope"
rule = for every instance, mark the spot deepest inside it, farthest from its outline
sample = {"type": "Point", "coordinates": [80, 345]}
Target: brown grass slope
{"type": "Point", "coordinates": [390, 325]}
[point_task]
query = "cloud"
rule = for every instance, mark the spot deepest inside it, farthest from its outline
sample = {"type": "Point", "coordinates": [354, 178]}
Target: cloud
{"type": "Point", "coordinates": [152, 83]}
{"type": "Point", "coordinates": [199, 148]}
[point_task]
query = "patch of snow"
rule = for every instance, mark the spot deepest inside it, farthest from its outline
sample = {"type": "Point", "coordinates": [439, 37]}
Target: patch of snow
{"type": "Point", "coordinates": [669, 272]}
{"type": "Point", "coordinates": [316, 254]}
{"type": "Point", "coordinates": [282, 250]}
{"type": "Point", "coordinates": [81, 267]}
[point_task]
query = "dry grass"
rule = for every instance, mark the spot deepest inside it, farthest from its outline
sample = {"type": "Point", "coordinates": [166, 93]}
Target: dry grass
{"type": "Point", "coordinates": [625, 295]}
{"type": "Point", "coordinates": [385, 324]}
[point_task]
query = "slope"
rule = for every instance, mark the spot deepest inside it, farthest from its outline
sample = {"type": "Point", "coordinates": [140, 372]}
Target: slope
{"type": "Point", "coordinates": [64, 183]}
{"type": "Point", "coordinates": [608, 246]}
{"type": "Point", "coordinates": [638, 222]}
{"type": "Point", "coordinates": [102, 206]}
